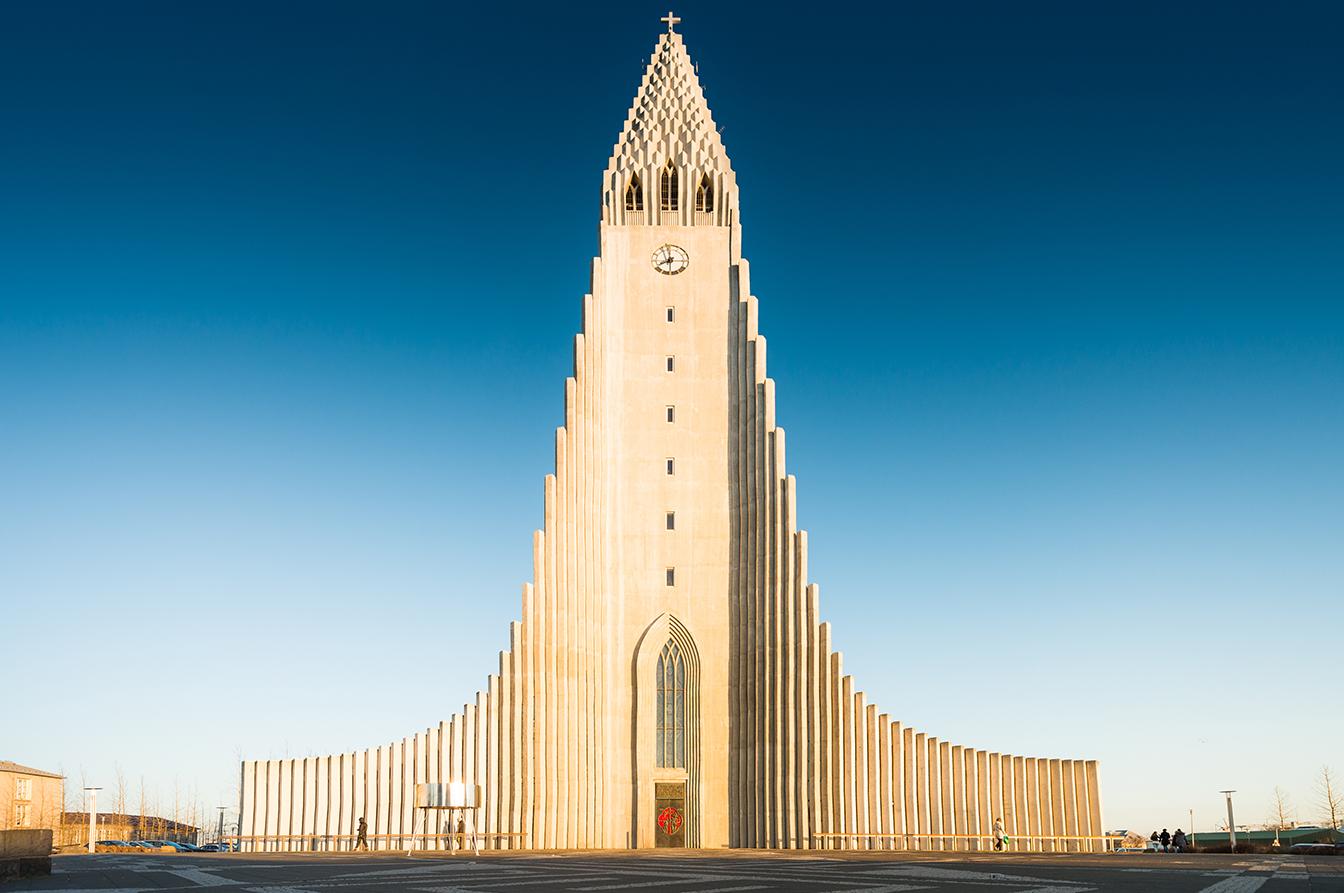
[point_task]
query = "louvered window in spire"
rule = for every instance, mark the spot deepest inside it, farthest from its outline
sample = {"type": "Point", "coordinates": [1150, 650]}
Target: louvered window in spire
{"type": "Point", "coordinates": [704, 195]}
{"type": "Point", "coordinates": [669, 188]}
{"type": "Point", "coordinates": [634, 194]}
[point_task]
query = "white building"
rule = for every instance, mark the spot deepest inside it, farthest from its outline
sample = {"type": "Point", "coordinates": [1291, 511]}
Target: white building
{"type": "Point", "coordinates": [670, 680]}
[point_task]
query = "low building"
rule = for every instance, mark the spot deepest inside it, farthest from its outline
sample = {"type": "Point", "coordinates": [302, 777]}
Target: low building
{"type": "Point", "coordinates": [74, 828]}
{"type": "Point", "coordinates": [29, 798]}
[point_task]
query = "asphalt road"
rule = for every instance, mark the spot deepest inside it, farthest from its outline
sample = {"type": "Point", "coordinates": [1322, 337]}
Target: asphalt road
{"type": "Point", "coordinates": [691, 872]}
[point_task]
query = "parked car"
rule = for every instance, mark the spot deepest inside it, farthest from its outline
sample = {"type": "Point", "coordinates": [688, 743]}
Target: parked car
{"type": "Point", "coordinates": [1314, 849]}
{"type": "Point", "coordinates": [112, 843]}
{"type": "Point", "coordinates": [215, 848]}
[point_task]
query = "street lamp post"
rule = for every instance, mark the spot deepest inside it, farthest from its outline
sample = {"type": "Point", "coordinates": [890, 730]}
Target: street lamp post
{"type": "Point", "coordinates": [1231, 822]}
{"type": "Point", "coordinates": [93, 815]}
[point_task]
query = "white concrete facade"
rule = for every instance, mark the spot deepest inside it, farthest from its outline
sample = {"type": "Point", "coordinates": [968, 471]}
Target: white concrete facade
{"type": "Point", "coordinates": [670, 526]}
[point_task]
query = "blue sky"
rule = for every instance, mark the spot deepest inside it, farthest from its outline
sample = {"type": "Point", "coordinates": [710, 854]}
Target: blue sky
{"type": "Point", "coordinates": [1052, 290]}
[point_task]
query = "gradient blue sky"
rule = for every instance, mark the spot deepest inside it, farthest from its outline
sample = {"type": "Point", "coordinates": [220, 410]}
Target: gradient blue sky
{"type": "Point", "coordinates": [1053, 294]}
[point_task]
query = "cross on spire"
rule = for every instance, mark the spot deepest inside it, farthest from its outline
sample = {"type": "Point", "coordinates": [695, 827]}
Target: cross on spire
{"type": "Point", "coordinates": [671, 20]}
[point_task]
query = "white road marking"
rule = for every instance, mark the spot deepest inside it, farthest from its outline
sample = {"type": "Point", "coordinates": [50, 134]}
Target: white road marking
{"type": "Point", "coordinates": [196, 876]}
{"type": "Point", "coordinates": [1243, 884]}
{"type": "Point", "coordinates": [889, 888]}
{"type": "Point", "coordinates": [928, 872]}
{"type": "Point", "coordinates": [681, 879]}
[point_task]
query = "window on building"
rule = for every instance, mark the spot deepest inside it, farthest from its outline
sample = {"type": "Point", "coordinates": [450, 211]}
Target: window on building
{"type": "Point", "coordinates": [671, 708]}
{"type": "Point", "coordinates": [671, 413]}
{"type": "Point", "coordinates": [671, 520]}
{"type": "Point", "coordinates": [671, 314]}
{"type": "Point", "coordinates": [671, 576]}
{"type": "Point", "coordinates": [671, 363]}
{"type": "Point", "coordinates": [671, 466]}
{"type": "Point", "coordinates": [634, 194]}
{"type": "Point", "coordinates": [21, 815]}
{"type": "Point", "coordinates": [668, 187]}
{"type": "Point", "coordinates": [23, 789]}
{"type": "Point", "coordinates": [704, 195]}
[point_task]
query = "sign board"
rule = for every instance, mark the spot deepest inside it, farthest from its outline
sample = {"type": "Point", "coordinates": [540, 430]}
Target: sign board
{"type": "Point", "coordinates": [449, 795]}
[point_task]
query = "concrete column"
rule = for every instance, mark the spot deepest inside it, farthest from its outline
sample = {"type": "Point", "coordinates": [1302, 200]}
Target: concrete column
{"type": "Point", "coordinates": [972, 800]}
{"type": "Point", "coordinates": [284, 807]}
{"type": "Point", "coordinates": [815, 725]}
{"type": "Point", "coordinates": [922, 791]}
{"type": "Point", "coordinates": [1094, 801]}
{"type": "Point", "coordinates": [984, 808]}
{"type": "Point", "coordinates": [851, 779]}
{"type": "Point", "coordinates": [898, 784]}
{"type": "Point", "coordinates": [1070, 803]}
{"type": "Point", "coordinates": [307, 820]}
{"type": "Point", "coordinates": [884, 772]}
{"type": "Point", "coordinates": [1057, 804]}
{"type": "Point", "coordinates": [1009, 813]}
{"type": "Point", "coordinates": [505, 748]}
{"type": "Point", "coordinates": [1043, 795]}
{"type": "Point", "coordinates": [959, 797]}
{"type": "Point", "coordinates": [1032, 786]}
{"type": "Point", "coordinates": [272, 804]}
{"type": "Point", "coordinates": [935, 795]}
{"type": "Point", "coordinates": [909, 788]}
{"type": "Point", "coordinates": [553, 668]}
{"type": "Point", "coordinates": [945, 790]}
{"type": "Point", "coordinates": [492, 759]}
{"type": "Point", "coordinates": [995, 792]}
{"type": "Point", "coordinates": [359, 782]}
{"type": "Point", "coordinates": [334, 803]}
{"type": "Point", "coordinates": [825, 727]}
{"type": "Point", "coordinates": [1080, 801]}
{"type": "Point", "coordinates": [1020, 824]}
{"type": "Point", "coordinates": [872, 821]}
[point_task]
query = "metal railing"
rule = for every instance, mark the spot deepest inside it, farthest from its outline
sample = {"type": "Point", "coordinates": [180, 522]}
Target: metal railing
{"type": "Point", "coordinates": [983, 843]}
{"type": "Point", "coordinates": [346, 843]}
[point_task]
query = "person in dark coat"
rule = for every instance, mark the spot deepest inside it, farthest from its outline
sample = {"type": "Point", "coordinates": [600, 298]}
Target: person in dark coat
{"type": "Point", "coordinates": [362, 839]}
{"type": "Point", "coordinates": [1165, 840]}
{"type": "Point", "coordinates": [1178, 841]}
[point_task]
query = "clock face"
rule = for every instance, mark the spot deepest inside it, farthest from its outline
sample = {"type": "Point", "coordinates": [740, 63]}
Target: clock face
{"type": "Point", "coordinates": [671, 260]}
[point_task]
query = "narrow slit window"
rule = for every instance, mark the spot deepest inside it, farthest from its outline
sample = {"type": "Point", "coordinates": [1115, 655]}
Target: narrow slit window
{"type": "Point", "coordinates": [671, 576]}
{"type": "Point", "coordinates": [671, 413]}
{"type": "Point", "coordinates": [671, 466]}
{"type": "Point", "coordinates": [671, 363]}
{"type": "Point", "coordinates": [671, 314]}
{"type": "Point", "coordinates": [671, 520]}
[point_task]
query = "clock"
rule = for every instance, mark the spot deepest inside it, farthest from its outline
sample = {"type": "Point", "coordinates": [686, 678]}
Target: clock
{"type": "Point", "coordinates": [670, 260]}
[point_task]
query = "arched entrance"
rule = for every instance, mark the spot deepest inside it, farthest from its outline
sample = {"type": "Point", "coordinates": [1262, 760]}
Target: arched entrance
{"type": "Point", "coordinates": [667, 735]}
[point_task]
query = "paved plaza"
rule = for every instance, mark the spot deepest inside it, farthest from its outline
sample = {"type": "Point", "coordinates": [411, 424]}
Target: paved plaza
{"type": "Point", "coordinates": [693, 872]}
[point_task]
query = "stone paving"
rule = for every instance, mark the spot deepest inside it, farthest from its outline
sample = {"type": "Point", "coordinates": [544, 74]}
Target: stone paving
{"type": "Point", "coordinates": [691, 872]}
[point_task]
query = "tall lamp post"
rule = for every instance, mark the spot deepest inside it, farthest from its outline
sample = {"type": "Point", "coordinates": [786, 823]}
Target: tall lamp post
{"type": "Point", "coordinates": [1231, 822]}
{"type": "Point", "coordinates": [219, 835]}
{"type": "Point", "coordinates": [92, 799]}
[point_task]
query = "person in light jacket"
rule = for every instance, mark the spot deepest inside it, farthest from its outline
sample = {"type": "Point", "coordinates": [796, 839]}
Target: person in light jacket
{"type": "Point", "coordinates": [1000, 840]}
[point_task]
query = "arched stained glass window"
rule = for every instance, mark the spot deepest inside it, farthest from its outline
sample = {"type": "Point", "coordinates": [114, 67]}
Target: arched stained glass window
{"type": "Point", "coordinates": [634, 194]}
{"type": "Point", "coordinates": [669, 187]}
{"type": "Point", "coordinates": [671, 712]}
{"type": "Point", "coordinates": [704, 195]}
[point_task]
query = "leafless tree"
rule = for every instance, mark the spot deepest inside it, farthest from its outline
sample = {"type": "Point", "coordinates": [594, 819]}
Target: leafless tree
{"type": "Point", "coordinates": [120, 805]}
{"type": "Point", "coordinates": [1280, 812]}
{"type": "Point", "coordinates": [1331, 798]}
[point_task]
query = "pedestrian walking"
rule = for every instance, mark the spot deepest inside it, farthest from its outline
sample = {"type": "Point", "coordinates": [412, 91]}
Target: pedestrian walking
{"type": "Point", "coordinates": [1165, 840]}
{"type": "Point", "coordinates": [362, 840]}
{"type": "Point", "coordinates": [1000, 840]}
{"type": "Point", "coordinates": [1178, 841]}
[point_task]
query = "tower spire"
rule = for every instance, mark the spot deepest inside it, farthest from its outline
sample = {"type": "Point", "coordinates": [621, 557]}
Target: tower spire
{"type": "Point", "coordinates": [669, 123]}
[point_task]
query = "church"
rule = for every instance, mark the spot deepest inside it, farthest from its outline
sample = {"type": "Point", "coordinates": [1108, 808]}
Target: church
{"type": "Point", "coordinates": [670, 680]}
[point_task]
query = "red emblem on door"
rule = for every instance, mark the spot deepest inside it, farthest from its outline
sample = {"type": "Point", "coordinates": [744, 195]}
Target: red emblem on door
{"type": "Point", "coordinates": [669, 820]}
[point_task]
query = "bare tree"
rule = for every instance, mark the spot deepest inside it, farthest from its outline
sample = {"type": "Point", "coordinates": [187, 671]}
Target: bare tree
{"type": "Point", "coordinates": [1280, 812]}
{"type": "Point", "coordinates": [1331, 798]}
{"type": "Point", "coordinates": [120, 806]}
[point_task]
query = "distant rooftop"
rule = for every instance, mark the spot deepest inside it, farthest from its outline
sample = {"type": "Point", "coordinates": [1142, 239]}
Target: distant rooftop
{"type": "Point", "coordinates": [8, 766]}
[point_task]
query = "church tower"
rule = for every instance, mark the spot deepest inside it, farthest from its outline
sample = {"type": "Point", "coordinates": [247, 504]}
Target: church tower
{"type": "Point", "coordinates": [670, 682]}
